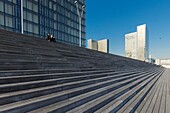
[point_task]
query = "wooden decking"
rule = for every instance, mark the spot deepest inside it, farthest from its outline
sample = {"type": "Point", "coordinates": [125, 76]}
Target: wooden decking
{"type": "Point", "coordinates": [41, 77]}
{"type": "Point", "coordinates": [155, 99]}
{"type": "Point", "coordinates": [158, 99]}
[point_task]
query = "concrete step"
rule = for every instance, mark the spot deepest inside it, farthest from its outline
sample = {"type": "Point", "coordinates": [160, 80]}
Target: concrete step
{"type": "Point", "coordinates": [124, 99]}
{"type": "Point", "coordinates": [45, 71]}
{"type": "Point", "coordinates": [149, 83]}
{"type": "Point", "coordinates": [41, 83]}
{"type": "Point", "coordinates": [26, 78]}
{"type": "Point", "coordinates": [134, 101]}
{"type": "Point", "coordinates": [73, 102]}
{"type": "Point", "coordinates": [152, 101]}
{"type": "Point", "coordinates": [14, 51]}
{"type": "Point", "coordinates": [55, 95]}
{"type": "Point", "coordinates": [6, 55]}
{"type": "Point", "coordinates": [21, 66]}
{"type": "Point", "coordinates": [97, 103]}
{"type": "Point", "coordinates": [26, 94]}
{"type": "Point", "coordinates": [73, 105]}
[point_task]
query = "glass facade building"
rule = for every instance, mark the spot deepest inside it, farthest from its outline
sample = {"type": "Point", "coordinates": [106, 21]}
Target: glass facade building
{"type": "Point", "coordinates": [40, 17]}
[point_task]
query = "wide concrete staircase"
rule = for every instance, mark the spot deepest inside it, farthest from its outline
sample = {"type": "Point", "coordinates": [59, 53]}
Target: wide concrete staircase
{"type": "Point", "coordinates": [38, 76]}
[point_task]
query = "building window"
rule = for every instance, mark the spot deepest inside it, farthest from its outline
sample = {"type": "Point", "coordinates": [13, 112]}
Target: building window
{"type": "Point", "coordinates": [1, 19]}
{"type": "Point", "coordinates": [55, 25]}
{"type": "Point", "coordinates": [8, 21]}
{"type": "Point", "coordinates": [50, 5]}
{"type": "Point", "coordinates": [25, 16]}
{"type": "Point", "coordinates": [35, 8]}
{"type": "Point", "coordinates": [25, 26]}
{"type": "Point", "coordinates": [29, 16]}
{"type": "Point", "coordinates": [8, 8]}
{"type": "Point", "coordinates": [29, 5]}
{"type": "Point", "coordinates": [36, 29]}
{"type": "Point", "coordinates": [14, 1]}
{"type": "Point", "coordinates": [1, 6]}
{"type": "Point", "coordinates": [30, 27]}
{"type": "Point", "coordinates": [35, 18]}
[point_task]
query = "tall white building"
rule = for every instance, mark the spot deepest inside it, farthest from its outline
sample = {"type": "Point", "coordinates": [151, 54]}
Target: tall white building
{"type": "Point", "coordinates": [100, 45]}
{"type": "Point", "coordinates": [137, 44]}
{"type": "Point", "coordinates": [143, 42]}
{"type": "Point", "coordinates": [131, 45]}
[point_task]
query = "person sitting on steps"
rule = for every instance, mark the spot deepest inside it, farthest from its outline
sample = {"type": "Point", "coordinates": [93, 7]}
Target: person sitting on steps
{"type": "Point", "coordinates": [50, 38]}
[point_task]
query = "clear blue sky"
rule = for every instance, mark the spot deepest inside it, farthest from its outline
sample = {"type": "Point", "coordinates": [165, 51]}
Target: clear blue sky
{"type": "Point", "coordinates": [112, 19]}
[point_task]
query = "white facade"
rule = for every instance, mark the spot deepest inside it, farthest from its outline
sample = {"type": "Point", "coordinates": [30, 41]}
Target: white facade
{"type": "Point", "coordinates": [143, 43]}
{"type": "Point", "coordinates": [100, 45]}
{"type": "Point", "coordinates": [137, 44]}
{"type": "Point", "coordinates": [103, 45]}
{"type": "Point", "coordinates": [131, 45]}
{"type": "Point", "coordinates": [163, 62]}
{"type": "Point", "coordinates": [92, 44]}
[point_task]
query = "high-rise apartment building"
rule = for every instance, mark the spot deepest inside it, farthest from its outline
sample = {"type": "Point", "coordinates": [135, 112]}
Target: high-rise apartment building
{"type": "Point", "coordinates": [40, 17]}
{"type": "Point", "coordinates": [137, 44]}
{"type": "Point", "coordinates": [100, 45]}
